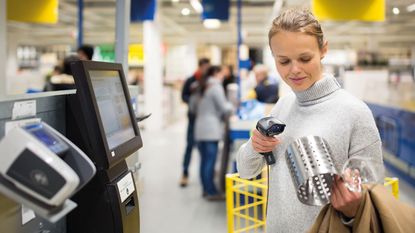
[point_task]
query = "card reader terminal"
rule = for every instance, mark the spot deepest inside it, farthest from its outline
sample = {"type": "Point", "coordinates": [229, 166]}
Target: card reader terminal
{"type": "Point", "coordinates": [30, 161]}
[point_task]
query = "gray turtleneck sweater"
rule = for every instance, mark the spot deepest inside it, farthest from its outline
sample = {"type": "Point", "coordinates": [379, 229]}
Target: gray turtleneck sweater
{"type": "Point", "coordinates": [325, 110]}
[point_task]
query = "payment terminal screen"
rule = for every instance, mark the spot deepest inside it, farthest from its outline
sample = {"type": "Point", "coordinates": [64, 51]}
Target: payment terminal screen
{"type": "Point", "coordinates": [112, 107]}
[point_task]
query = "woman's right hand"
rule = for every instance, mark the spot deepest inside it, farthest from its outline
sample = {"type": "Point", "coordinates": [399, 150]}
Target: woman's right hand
{"type": "Point", "coordinates": [261, 143]}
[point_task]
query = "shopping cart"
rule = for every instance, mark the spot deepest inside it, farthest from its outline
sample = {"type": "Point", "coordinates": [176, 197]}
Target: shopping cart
{"type": "Point", "coordinates": [246, 202]}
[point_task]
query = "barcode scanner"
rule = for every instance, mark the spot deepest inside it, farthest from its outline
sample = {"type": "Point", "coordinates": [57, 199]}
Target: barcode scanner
{"type": "Point", "coordinates": [269, 127]}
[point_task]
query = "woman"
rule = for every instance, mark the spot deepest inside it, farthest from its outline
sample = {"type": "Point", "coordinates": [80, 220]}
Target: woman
{"type": "Point", "coordinates": [317, 106]}
{"type": "Point", "coordinates": [211, 106]}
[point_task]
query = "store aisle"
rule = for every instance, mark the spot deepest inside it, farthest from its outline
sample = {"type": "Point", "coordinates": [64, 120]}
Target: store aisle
{"type": "Point", "coordinates": [164, 206]}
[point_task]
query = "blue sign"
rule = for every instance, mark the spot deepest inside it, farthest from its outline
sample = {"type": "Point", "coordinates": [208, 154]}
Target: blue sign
{"type": "Point", "coordinates": [142, 10]}
{"type": "Point", "coordinates": [216, 9]}
{"type": "Point", "coordinates": [245, 64]}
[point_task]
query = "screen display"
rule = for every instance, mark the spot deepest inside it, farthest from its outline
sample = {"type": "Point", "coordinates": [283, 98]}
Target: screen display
{"type": "Point", "coordinates": [47, 138]}
{"type": "Point", "coordinates": [112, 106]}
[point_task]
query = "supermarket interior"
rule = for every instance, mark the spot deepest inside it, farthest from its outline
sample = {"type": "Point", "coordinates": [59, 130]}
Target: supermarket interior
{"type": "Point", "coordinates": [196, 116]}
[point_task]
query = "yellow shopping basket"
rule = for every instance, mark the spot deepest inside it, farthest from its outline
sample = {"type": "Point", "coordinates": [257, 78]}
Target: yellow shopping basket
{"type": "Point", "coordinates": [246, 202]}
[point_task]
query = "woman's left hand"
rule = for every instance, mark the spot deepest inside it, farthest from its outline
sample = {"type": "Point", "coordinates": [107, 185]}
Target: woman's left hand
{"type": "Point", "coordinates": [344, 200]}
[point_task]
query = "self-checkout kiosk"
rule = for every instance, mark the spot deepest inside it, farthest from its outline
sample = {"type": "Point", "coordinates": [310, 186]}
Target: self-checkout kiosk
{"type": "Point", "coordinates": [101, 121]}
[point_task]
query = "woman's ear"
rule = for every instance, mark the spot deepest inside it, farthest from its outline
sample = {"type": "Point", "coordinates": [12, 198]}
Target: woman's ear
{"type": "Point", "coordinates": [324, 49]}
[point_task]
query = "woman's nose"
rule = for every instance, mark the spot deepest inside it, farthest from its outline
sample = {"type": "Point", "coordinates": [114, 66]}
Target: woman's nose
{"type": "Point", "coordinates": [295, 68]}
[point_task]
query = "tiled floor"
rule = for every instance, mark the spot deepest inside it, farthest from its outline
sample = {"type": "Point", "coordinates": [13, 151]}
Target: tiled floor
{"type": "Point", "coordinates": [165, 207]}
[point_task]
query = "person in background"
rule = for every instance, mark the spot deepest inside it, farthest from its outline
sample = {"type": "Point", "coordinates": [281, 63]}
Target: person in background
{"type": "Point", "coordinates": [229, 77]}
{"type": "Point", "coordinates": [317, 106]}
{"type": "Point", "coordinates": [188, 90]}
{"type": "Point", "coordinates": [64, 80]}
{"type": "Point", "coordinates": [136, 77]}
{"type": "Point", "coordinates": [265, 90]}
{"type": "Point", "coordinates": [56, 71]}
{"type": "Point", "coordinates": [85, 52]}
{"type": "Point", "coordinates": [211, 107]}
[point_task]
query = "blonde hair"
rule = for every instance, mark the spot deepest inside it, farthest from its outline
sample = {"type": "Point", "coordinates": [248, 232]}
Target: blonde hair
{"type": "Point", "coordinates": [297, 20]}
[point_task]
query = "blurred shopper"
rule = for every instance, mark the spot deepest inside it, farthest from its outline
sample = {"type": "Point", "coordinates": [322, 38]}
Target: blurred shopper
{"type": "Point", "coordinates": [85, 52]}
{"type": "Point", "coordinates": [188, 90]}
{"type": "Point", "coordinates": [317, 106]}
{"type": "Point", "coordinates": [211, 107]}
{"type": "Point", "coordinates": [137, 78]}
{"type": "Point", "coordinates": [265, 90]}
{"type": "Point", "coordinates": [229, 77]}
{"type": "Point", "coordinates": [64, 80]}
{"type": "Point", "coordinates": [56, 71]}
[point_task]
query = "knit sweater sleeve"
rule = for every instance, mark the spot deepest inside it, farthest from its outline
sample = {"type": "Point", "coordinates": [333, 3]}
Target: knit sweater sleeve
{"type": "Point", "coordinates": [249, 162]}
{"type": "Point", "coordinates": [365, 140]}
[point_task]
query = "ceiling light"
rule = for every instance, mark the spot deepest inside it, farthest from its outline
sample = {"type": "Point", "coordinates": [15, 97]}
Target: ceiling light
{"type": "Point", "coordinates": [395, 11]}
{"type": "Point", "coordinates": [175, 1]}
{"type": "Point", "coordinates": [185, 11]}
{"type": "Point", "coordinates": [211, 23]}
{"type": "Point", "coordinates": [410, 8]}
{"type": "Point", "coordinates": [197, 6]}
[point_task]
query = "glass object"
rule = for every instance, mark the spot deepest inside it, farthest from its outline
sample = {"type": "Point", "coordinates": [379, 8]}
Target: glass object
{"type": "Point", "coordinates": [360, 170]}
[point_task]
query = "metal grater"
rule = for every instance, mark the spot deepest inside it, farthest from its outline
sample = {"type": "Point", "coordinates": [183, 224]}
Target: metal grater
{"type": "Point", "coordinates": [312, 170]}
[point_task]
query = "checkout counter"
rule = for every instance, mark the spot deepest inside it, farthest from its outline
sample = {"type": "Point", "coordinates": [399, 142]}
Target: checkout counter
{"type": "Point", "coordinates": [93, 190]}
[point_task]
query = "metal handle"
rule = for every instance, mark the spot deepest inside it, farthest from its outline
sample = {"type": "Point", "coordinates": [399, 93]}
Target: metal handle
{"type": "Point", "coordinates": [269, 157]}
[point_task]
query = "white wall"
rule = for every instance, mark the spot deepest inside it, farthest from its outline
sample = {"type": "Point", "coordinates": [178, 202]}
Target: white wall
{"type": "Point", "coordinates": [181, 61]}
{"type": "Point", "coordinates": [216, 55]}
{"type": "Point", "coordinates": [3, 46]}
{"type": "Point", "coordinates": [340, 57]}
{"type": "Point", "coordinates": [14, 84]}
{"type": "Point", "coordinates": [366, 84]}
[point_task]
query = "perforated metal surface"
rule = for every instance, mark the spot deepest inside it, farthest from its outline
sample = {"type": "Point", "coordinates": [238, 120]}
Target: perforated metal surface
{"type": "Point", "coordinates": [312, 170]}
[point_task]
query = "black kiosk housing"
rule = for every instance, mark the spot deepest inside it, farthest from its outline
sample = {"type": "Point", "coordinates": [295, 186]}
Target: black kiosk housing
{"type": "Point", "coordinates": [100, 120]}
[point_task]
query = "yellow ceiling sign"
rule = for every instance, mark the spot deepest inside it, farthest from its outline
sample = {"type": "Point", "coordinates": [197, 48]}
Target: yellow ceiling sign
{"type": "Point", "coordinates": [33, 11]}
{"type": "Point", "coordinates": [364, 10]}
